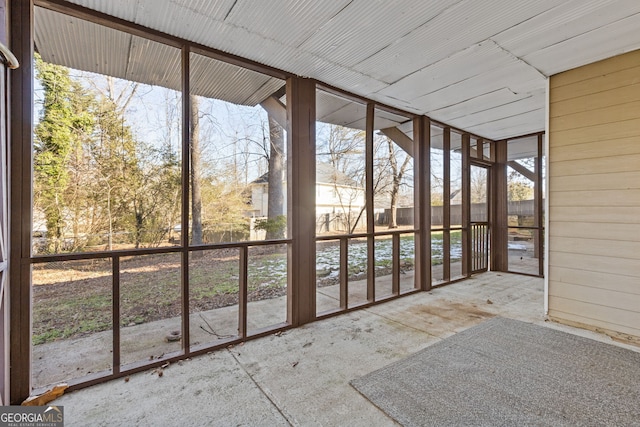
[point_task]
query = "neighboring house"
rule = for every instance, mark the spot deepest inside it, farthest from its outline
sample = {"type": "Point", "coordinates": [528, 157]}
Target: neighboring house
{"type": "Point", "coordinates": [339, 199]}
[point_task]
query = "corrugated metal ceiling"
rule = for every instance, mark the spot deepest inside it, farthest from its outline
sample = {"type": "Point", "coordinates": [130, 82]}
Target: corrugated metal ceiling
{"type": "Point", "coordinates": [90, 47]}
{"type": "Point", "coordinates": [478, 65]}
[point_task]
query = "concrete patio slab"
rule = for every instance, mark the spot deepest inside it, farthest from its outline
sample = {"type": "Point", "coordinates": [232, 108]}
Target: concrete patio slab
{"type": "Point", "coordinates": [301, 376]}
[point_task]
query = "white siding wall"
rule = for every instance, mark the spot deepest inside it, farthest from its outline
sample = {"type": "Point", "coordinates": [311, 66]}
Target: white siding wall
{"type": "Point", "coordinates": [594, 200]}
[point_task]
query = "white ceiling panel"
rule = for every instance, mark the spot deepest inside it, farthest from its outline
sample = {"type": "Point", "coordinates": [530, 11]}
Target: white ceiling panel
{"type": "Point", "coordinates": [81, 45]}
{"type": "Point", "coordinates": [290, 22]}
{"type": "Point", "coordinates": [462, 25]}
{"type": "Point", "coordinates": [359, 83]}
{"type": "Point", "coordinates": [365, 27]}
{"type": "Point", "coordinates": [473, 61]}
{"type": "Point", "coordinates": [609, 40]}
{"type": "Point", "coordinates": [194, 20]}
{"type": "Point", "coordinates": [213, 10]}
{"type": "Point", "coordinates": [338, 110]}
{"type": "Point", "coordinates": [531, 103]}
{"type": "Point", "coordinates": [509, 127]}
{"type": "Point", "coordinates": [480, 65]}
{"type": "Point", "coordinates": [522, 148]}
{"type": "Point", "coordinates": [384, 119]}
{"type": "Point", "coordinates": [216, 79]}
{"type": "Point", "coordinates": [509, 77]}
{"type": "Point", "coordinates": [153, 63]}
{"type": "Point", "coordinates": [123, 9]}
{"type": "Point", "coordinates": [567, 20]}
{"type": "Point", "coordinates": [479, 103]}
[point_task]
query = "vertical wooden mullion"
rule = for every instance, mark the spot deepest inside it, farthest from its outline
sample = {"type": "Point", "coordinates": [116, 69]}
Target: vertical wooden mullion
{"type": "Point", "coordinates": [474, 246]}
{"type": "Point", "coordinates": [4, 249]}
{"type": "Point", "coordinates": [466, 205]}
{"type": "Point", "coordinates": [422, 201]}
{"type": "Point", "coordinates": [115, 311]}
{"type": "Point", "coordinates": [344, 273]}
{"type": "Point", "coordinates": [479, 237]}
{"type": "Point", "coordinates": [371, 267]}
{"type": "Point", "coordinates": [395, 269]}
{"type": "Point", "coordinates": [186, 172]}
{"type": "Point", "coordinates": [487, 246]}
{"type": "Point", "coordinates": [243, 291]}
{"type": "Point", "coordinates": [20, 188]}
{"type": "Point", "coordinates": [490, 212]}
{"type": "Point", "coordinates": [446, 204]}
{"type": "Point", "coordinates": [539, 207]}
{"type": "Point", "coordinates": [480, 148]}
{"type": "Point", "coordinates": [485, 243]}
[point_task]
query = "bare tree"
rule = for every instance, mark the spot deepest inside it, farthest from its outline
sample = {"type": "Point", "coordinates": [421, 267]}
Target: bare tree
{"type": "Point", "coordinates": [275, 201]}
{"type": "Point", "coordinates": [196, 172]}
{"type": "Point", "coordinates": [397, 175]}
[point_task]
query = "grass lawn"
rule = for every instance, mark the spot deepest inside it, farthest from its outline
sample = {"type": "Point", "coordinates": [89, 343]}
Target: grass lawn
{"type": "Point", "coordinates": [74, 298]}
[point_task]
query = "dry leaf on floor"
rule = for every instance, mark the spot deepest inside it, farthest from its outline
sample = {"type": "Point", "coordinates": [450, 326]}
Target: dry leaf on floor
{"type": "Point", "coordinates": [47, 396]}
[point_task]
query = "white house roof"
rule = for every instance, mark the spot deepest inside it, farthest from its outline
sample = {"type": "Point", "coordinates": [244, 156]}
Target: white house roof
{"type": "Point", "coordinates": [325, 174]}
{"type": "Point", "coordinates": [478, 65]}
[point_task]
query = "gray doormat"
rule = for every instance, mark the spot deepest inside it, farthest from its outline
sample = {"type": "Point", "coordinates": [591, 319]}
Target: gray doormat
{"type": "Point", "coordinates": [510, 373]}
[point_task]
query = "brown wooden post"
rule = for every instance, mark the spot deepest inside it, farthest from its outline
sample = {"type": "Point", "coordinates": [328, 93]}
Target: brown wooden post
{"type": "Point", "coordinates": [446, 204]}
{"type": "Point", "coordinates": [422, 201]}
{"type": "Point", "coordinates": [344, 273]}
{"type": "Point", "coordinates": [243, 263]}
{"type": "Point", "coordinates": [539, 205]}
{"type": "Point", "coordinates": [301, 174]}
{"type": "Point", "coordinates": [115, 312]}
{"type": "Point", "coordinates": [21, 123]}
{"type": "Point", "coordinates": [466, 204]}
{"type": "Point", "coordinates": [186, 175]}
{"type": "Point", "coordinates": [371, 256]}
{"type": "Point", "coordinates": [395, 266]}
{"type": "Point", "coordinates": [499, 229]}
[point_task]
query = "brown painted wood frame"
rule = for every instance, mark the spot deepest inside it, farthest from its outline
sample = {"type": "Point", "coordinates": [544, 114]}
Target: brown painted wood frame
{"type": "Point", "coordinates": [481, 230]}
{"type": "Point", "coordinates": [466, 205]}
{"type": "Point", "coordinates": [422, 201]}
{"type": "Point", "coordinates": [186, 193]}
{"type": "Point", "coordinates": [301, 113]}
{"type": "Point", "coordinates": [301, 146]}
{"type": "Point", "coordinates": [499, 232]}
{"type": "Point", "coordinates": [540, 204]}
{"type": "Point", "coordinates": [446, 204]}
{"type": "Point", "coordinates": [538, 228]}
{"type": "Point", "coordinates": [20, 127]}
{"type": "Point", "coordinates": [371, 256]}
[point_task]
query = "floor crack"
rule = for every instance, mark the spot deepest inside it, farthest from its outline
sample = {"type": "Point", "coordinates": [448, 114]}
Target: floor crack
{"type": "Point", "coordinates": [235, 357]}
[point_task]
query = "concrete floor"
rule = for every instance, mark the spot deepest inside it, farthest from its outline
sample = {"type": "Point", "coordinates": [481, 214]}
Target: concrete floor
{"type": "Point", "coordinates": [301, 377]}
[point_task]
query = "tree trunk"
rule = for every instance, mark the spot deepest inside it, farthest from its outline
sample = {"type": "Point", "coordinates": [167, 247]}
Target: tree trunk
{"type": "Point", "coordinates": [275, 200]}
{"type": "Point", "coordinates": [393, 222]}
{"type": "Point", "coordinates": [396, 182]}
{"type": "Point", "coordinates": [196, 167]}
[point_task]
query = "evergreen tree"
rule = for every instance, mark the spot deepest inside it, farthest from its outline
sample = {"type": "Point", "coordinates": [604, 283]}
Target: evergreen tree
{"type": "Point", "coordinates": [65, 121]}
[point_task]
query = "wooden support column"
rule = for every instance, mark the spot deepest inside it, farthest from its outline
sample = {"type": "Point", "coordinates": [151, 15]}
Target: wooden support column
{"type": "Point", "coordinates": [466, 205]}
{"type": "Point", "coordinates": [371, 256]}
{"type": "Point", "coordinates": [499, 229]}
{"type": "Point", "coordinates": [21, 123]}
{"type": "Point", "coordinates": [301, 175]}
{"type": "Point", "coordinates": [422, 201]}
